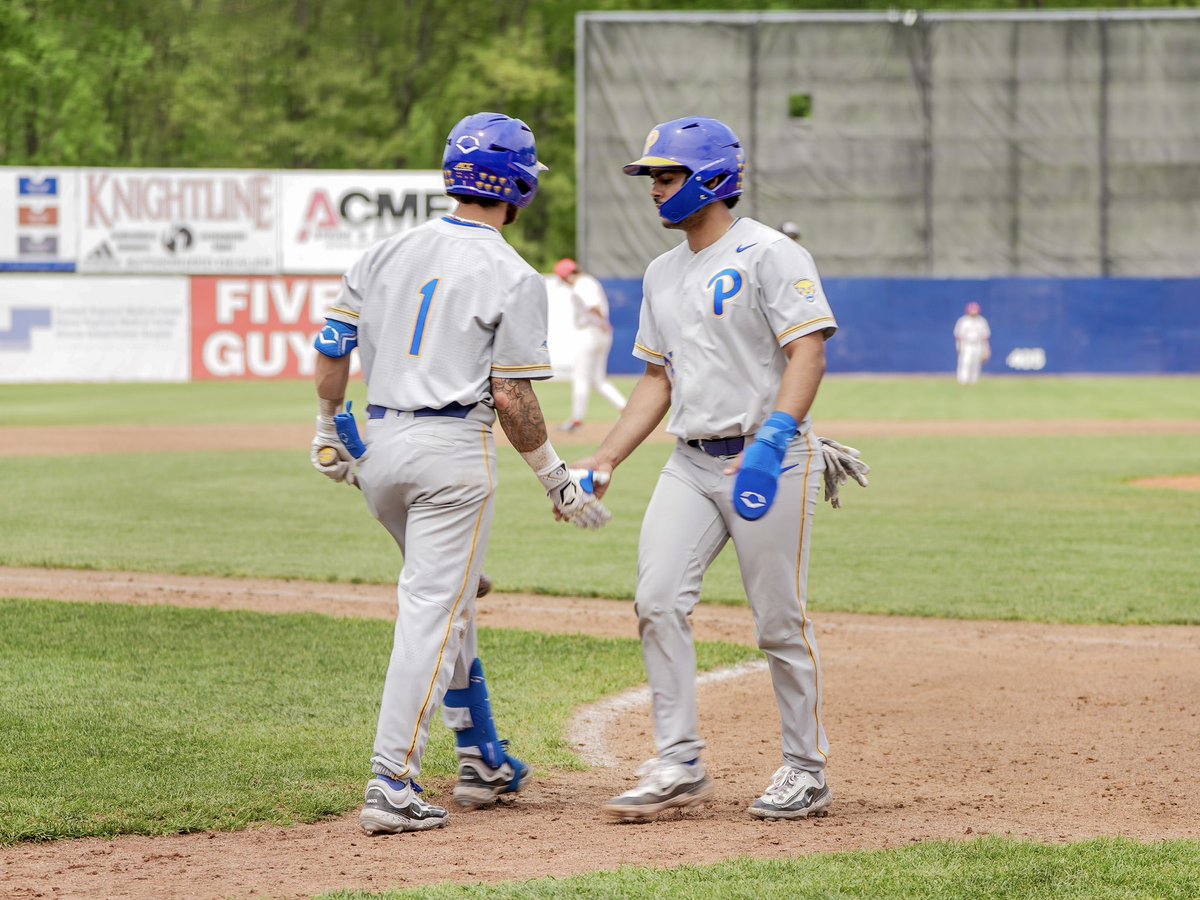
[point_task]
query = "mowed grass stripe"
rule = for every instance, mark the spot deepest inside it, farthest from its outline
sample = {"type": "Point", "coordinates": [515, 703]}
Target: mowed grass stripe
{"type": "Point", "coordinates": [841, 397]}
{"type": "Point", "coordinates": [1048, 529]}
{"type": "Point", "coordinates": [1104, 869]}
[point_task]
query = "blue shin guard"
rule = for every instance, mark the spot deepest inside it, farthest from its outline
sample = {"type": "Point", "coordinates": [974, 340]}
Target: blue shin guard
{"type": "Point", "coordinates": [762, 464]}
{"type": "Point", "coordinates": [481, 732]}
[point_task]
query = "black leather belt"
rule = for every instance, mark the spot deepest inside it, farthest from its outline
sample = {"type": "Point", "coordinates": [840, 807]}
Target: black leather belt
{"type": "Point", "coordinates": [720, 447]}
{"type": "Point", "coordinates": [453, 410]}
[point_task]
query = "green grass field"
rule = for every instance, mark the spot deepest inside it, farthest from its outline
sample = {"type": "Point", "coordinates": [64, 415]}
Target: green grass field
{"type": "Point", "coordinates": [845, 397]}
{"type": "Point", "coordinates": [1045, 529]}
{"type": "Point", "coordinates": [1110, 869]}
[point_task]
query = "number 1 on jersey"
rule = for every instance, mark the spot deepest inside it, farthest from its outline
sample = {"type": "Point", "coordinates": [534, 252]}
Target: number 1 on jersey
{"type": "Point", "coordinates": [427, 292]}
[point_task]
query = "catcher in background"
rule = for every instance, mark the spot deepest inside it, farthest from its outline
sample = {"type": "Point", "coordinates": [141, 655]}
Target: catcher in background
{"type": "Point", "coordinates": [450, 323]}
{"type": "Point", "coordinates": [732, 331]}
{"type": "Point", "coordinates": [589, 307]}
{"type": "Point", "coordinates": [972, 340]}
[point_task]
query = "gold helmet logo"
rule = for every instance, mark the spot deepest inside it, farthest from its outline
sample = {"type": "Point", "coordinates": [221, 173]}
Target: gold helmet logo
{"type": "Point", "coordinates": [651, 140]}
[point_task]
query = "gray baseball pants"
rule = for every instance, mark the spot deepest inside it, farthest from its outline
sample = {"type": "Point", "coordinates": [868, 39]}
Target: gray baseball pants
{"type": "Point", "coordinates": [430, 482]}
{"type": "Point", "coordinates": [689, 520]}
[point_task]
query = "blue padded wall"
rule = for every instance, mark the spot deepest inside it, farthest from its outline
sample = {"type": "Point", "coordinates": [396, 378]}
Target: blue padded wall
{"type": "Point", "coordinates": [1106, 326]}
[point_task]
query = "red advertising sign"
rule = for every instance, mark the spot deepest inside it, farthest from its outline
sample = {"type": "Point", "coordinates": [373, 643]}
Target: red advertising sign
{"type": "Point", "coordinates": [258, 326]}
{"type": "Point", "coordinates": [29, 215]}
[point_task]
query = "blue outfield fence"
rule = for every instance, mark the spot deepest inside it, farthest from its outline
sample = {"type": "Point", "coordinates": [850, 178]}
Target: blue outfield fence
{"type": "Point", "coordinates": [1039, 325]}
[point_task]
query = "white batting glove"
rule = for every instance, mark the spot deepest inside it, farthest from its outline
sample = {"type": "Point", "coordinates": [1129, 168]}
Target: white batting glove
{"type": "Point", "coordinates": [570, 490]}
{"type": "Point", "coordinates": [841, 464]}
{"type": "Point", "coordinates": [329, 455]}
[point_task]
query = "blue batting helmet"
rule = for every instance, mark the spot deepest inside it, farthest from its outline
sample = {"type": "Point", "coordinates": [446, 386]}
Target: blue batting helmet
{"type": "Point", "coordinates": [705, 147]}
{"type": "Point", "coordinates": [492, 155]}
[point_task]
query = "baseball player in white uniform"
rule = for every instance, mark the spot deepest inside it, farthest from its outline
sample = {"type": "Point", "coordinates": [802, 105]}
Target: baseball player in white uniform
{"type": "Point", "coordinates": [589, 308]}
{"type": "Point", "coordinates": [972, 340]}
{"type": "Point", "coordinates": [733, 328]}
{"type": "Point", "coordinates": [450, 323]}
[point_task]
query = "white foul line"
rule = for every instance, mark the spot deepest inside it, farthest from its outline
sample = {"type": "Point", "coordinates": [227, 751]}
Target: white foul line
{"type": "Point", "coordinates": [587, 727]}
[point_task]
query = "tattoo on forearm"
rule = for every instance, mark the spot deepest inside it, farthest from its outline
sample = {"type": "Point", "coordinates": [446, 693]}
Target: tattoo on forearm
{"type": "Point", "coordinates": [520, 413]}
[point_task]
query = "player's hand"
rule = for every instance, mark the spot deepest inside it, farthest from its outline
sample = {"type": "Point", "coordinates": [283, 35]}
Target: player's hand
{"type": "Point", "coordinates": [575, 500]}
{"type": "Point", "coordinates": [329, 455]}
{"type": "Point", "coordinates": [601, 474]}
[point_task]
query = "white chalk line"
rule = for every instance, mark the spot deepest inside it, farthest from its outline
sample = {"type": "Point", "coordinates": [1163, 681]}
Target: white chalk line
{"type": "Point", "coordinates": [587, 726]}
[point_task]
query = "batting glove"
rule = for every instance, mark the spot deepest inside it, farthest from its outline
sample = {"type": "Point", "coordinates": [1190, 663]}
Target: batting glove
{"type": "Point", "coordinates": [762, 463]}
{"type": "Point", "coordinates": [329, 455]}
{"type": "Point", "coordinates": [572, 493]}
{"type": "Point", "coordinates": [841, 464]}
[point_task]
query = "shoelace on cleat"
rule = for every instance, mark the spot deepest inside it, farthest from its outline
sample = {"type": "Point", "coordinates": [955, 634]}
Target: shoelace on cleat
{"type": "Point", "coordinates": [782, 782]}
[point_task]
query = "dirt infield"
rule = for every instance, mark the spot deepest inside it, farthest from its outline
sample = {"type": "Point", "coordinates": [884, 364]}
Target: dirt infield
{"type": "Point", "coordinates": [940, 730]}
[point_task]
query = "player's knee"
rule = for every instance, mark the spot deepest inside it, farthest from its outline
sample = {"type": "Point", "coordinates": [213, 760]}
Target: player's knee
{"type": "Point", "coordinates": [779, 630]}
{"type": "Point", "coordinates": [661, 612]}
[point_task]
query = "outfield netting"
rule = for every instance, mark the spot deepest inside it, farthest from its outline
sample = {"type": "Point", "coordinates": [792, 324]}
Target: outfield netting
{"type": "Point", "coordinates": [986, 145]}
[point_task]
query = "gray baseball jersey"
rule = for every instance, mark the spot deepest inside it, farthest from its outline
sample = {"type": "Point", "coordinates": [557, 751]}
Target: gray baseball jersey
{"type": "Point", "coordinates": [718, 320]}
{"type": "Point", "coordinates": [439, 309]}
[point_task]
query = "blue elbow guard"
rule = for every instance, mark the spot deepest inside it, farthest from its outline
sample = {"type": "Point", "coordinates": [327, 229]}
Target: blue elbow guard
{"type": "Point", "coordinates": [755, 486]}
{"type": "Point", "coordinates": [347, 431]}
{"type": "Point", "coordinates": [336, 339]}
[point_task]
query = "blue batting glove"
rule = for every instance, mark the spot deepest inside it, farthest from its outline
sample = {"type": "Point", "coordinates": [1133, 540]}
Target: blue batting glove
{"type": "Point", "coordinates": [762, 464]}
{"type": "Point", "coordinates": [347, 430]}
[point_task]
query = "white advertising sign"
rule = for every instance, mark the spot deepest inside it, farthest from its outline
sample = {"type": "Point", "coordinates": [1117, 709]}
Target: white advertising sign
{"type": "Point", "coordinates": [329, 218]}
{"type": "Point", "coordinates": [73, 328]}
{"type": "Point", "coordinates": [37, 219]}
{"type": "Point", "coordinates": [191, 221]}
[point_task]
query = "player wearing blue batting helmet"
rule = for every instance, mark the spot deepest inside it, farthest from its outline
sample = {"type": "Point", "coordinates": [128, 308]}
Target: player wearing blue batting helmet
{"type": "Point", "coordinates": [708, 149]}
{"type": "Point", "coordinates": [493, 156]}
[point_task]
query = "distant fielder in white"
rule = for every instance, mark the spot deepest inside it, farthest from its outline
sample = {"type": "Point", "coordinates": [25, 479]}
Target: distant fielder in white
{"type": "Point", "coordinates": [972, 339]}
{"type": "Point", "coordinates": [589, 308]}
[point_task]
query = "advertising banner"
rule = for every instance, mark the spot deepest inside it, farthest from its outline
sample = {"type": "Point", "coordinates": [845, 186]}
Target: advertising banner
{"type": "Point", "coordinates": [73, 328]}
{"type": "Point", "coordinates": [329, 218]}
{"type": "Point", "coordinates": [37, 219]}
{"type": "Point", "coordinates": [188, 221]}
{"type": "Point", "coordinates": [255, 327]}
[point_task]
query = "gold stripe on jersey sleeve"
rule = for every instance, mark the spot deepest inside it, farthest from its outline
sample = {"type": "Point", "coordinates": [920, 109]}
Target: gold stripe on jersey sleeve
{"type": "Point", "coordinates": [654, 353]}
{"type": "Point", "coordinates": [345, 312]}
{"type": "Point", "coordinates": [796, 328]}
{"type": "Point", "coordinates": [519, 368]}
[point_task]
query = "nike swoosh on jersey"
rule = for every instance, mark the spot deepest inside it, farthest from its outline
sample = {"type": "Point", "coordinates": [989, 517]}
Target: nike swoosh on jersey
{"type": "Point", "coordinates": [788, 468]}
{"type": "Point", "coordinates": [746, 247]}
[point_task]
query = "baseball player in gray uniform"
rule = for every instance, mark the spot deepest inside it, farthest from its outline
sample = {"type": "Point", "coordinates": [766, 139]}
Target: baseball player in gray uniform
{"type": "Point", "coordinates": [450, 324]}
{"type": "Point", "coordinates": [733, 329]}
